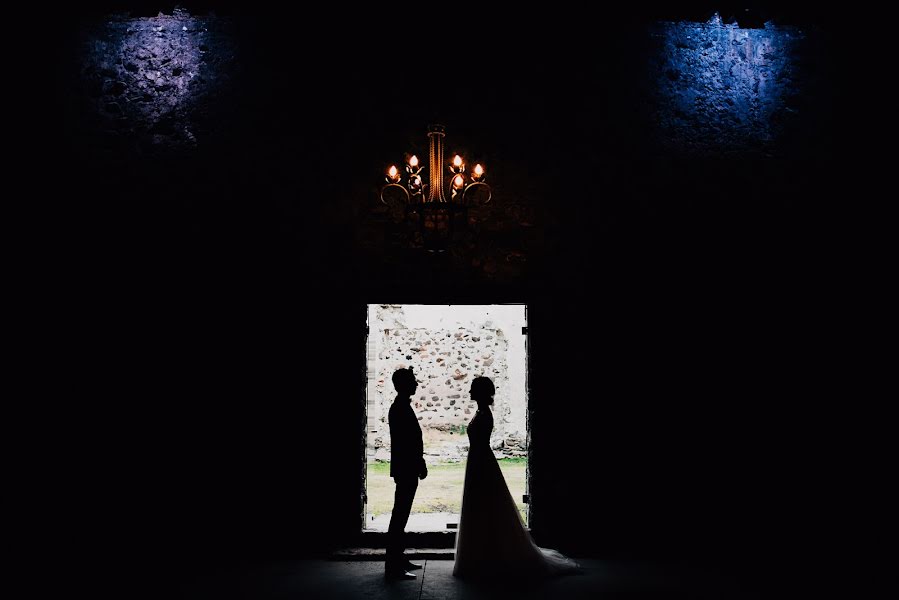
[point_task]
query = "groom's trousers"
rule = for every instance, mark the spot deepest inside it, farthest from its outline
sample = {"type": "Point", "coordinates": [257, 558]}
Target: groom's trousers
{"type": "Point", "coordinates": [402, 506]}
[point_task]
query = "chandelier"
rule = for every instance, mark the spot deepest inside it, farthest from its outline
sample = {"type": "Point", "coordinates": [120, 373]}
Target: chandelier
{"type": "Point", "coordinates": [465, 188]}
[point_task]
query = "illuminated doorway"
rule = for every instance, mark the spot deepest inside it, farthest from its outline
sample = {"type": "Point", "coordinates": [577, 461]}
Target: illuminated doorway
{"type": "Point", "coordinates": [447, 346]}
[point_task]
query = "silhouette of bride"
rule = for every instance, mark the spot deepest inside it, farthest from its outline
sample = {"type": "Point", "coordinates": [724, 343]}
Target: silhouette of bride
{"type": "Point", "coordinates": [492, 540]}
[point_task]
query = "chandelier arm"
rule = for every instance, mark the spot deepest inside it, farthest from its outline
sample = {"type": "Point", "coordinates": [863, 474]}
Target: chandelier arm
{"type": "Point", "coordinates": [394, 185]}
{"type": "Point", "coordinates": [474, 183]}
{"type": "Point", "coordinates": [424, 186]}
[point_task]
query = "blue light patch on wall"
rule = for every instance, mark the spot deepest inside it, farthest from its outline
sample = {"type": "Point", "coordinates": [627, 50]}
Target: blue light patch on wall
{"type": "Point", "coordinates": [721, 88]}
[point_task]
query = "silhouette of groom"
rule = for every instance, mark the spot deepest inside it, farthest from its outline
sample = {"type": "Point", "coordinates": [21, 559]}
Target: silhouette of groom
{"type": "Point", "coordinates": [407, 464]}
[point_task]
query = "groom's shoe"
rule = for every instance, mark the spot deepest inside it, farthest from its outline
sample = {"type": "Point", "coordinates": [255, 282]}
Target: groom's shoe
{"type": "Point", "coordinates": [411, 566]}
{"type": "Point", "coordinates": [397, 574]}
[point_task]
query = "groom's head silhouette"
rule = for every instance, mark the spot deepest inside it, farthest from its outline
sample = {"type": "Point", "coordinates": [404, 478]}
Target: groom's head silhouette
{"type": "Point", "coordinates": [404, 382]}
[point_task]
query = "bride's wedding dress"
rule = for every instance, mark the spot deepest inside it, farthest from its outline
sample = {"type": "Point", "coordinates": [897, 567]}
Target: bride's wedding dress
{"type": "Point", "coordinates": [492, 540]}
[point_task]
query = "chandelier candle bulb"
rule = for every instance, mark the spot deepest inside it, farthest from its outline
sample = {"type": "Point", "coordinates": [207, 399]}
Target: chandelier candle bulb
{"type": "Point", "coordinates": [458, 182]}
{"type": "Point", "coordinates": [392, 174]}
{"type": "Point", "coordinates": [478, 172]}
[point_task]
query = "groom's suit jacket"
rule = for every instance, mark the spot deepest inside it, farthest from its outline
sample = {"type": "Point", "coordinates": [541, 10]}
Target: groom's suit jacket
{"type": "Point", "coordinates": [406, 447]}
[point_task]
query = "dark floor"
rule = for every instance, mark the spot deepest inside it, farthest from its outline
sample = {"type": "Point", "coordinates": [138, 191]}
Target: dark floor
{"type": "Point", "coordinates": [365, 579]}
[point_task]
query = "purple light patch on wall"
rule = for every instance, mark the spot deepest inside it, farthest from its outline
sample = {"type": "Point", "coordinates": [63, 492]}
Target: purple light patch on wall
{"type": "Point", "coordinates": [153, 81]}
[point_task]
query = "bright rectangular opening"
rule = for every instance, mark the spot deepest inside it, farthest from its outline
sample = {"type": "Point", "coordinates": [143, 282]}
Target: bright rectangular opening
{"type": "Point", "coordinates": [447, 346]}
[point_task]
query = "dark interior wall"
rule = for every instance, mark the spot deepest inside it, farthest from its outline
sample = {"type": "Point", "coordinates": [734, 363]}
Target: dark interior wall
{"type": "Point", "coordinates": [689, 439]}
{"type": "Point", "coordinates": [672, 296]}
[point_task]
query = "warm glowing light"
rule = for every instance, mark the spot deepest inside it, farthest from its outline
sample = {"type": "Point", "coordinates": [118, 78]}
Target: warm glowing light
{"type": "Point", "coordinates": [421, 181]}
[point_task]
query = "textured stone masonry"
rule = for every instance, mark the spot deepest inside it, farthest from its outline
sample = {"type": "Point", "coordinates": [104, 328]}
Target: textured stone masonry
{"type": "Point", "coordinates": [720, 88]}
{"type": "Point", "coordinates": [445, 362]}
{"type": "Point", "coordinates": [157, 82]}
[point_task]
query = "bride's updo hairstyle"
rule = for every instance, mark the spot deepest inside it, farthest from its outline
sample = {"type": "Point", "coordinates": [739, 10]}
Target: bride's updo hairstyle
{"type": "Point", "coordinates": [482, 389]}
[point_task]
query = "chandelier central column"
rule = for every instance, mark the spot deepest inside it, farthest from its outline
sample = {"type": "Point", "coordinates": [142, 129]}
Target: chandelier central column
{"type": "Point", "coordinates": [436, 133]}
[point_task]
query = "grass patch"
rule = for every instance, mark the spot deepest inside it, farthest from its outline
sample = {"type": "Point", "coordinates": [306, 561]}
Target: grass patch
{"type": "Point", "coordinates": [442, 490]}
